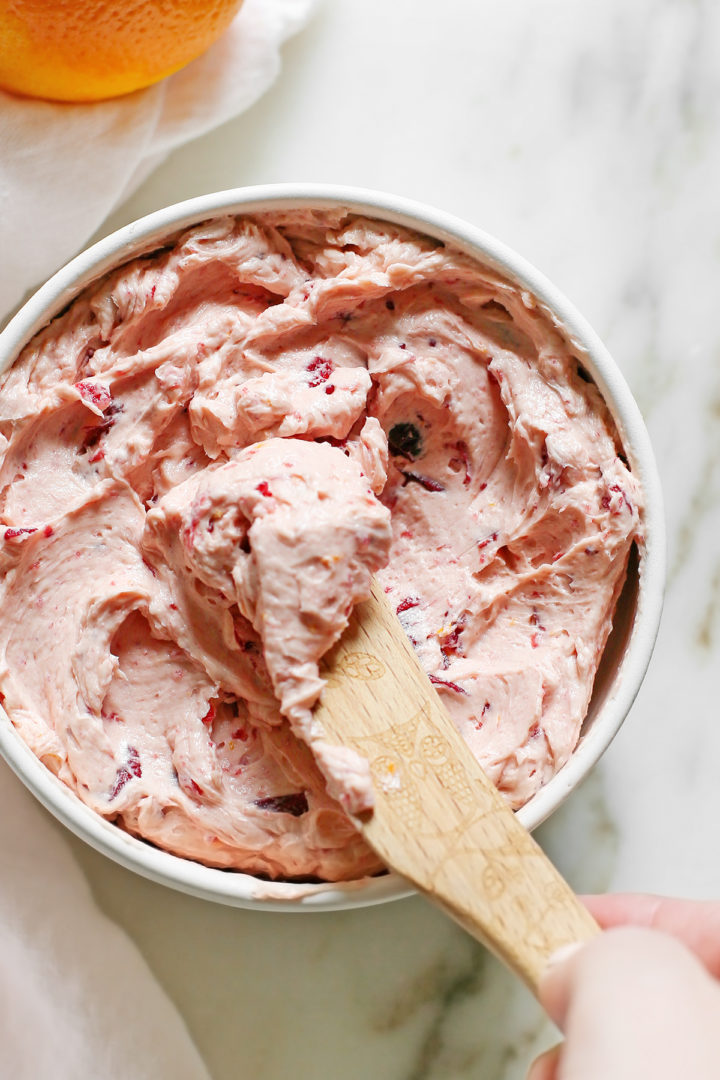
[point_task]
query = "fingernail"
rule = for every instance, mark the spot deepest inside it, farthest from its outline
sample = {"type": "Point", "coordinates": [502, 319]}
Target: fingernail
{"type": "Point", "coordinates": [561, 956]}
{"type": "Point", "coordinates": [553, 986]}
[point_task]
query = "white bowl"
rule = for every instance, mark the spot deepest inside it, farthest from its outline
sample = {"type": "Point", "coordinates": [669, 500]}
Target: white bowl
{"type": "Point", "coordinates": [627, 653]}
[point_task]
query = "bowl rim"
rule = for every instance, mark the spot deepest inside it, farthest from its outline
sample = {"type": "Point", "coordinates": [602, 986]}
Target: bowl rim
{"type": "Point", "coordinates": [235, 887]}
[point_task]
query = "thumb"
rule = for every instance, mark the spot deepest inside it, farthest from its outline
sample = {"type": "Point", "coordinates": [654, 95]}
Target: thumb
{"type": "Point", "coordinates": [634, 1003]}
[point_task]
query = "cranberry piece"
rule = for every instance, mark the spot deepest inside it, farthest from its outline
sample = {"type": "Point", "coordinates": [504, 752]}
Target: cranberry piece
{"type": "Point", "coordinates": [620, 491]}
{"type": "Point", "coordinates": [406, 604]}
{"type": "Point", "coordinates": [425, 482]}
{"type": "Point", "coordinates": [451, 643]}
{"type": "Point", "coordinates": [488, 540]}
{"type": "Point", "coordinates": [93, 434]}
{"type": "Point", "coordinates": [295, 804]}
{"type": "Point", "coordinates": [320, 370]}
{"type": "Point", "coordinates": [131, 769]}
{"type": "Point", "coordinates": [405, 440]}
{"type": "Point", "coordinates": [436, 681]}
{"type": "Point", "coordinates": [14, 534]}
{"type": "Point", "coordinates": [95, 394]}
{"type": "Point", "coordinates": [121, 778]}
{"type": "Point", "coordinates": [264, 489]}
{"type": "Point", "coordinates": [462, 460]}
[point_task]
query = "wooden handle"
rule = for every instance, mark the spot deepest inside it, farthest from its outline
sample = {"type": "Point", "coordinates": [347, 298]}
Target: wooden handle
{"type": "Point", "coordinates": [437, 819]}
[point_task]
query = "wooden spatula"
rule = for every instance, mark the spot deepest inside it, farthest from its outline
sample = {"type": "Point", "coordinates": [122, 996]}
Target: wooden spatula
{"type": "Point", "coordinates": [437, 819]}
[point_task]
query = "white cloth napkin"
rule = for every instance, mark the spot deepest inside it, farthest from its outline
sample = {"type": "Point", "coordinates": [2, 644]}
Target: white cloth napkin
{"type": "Point", "coordinates": [76, 998]}
{"type": "Point", "coordinates": [63, 168]}
{"type": "Point", "coordinates": [77, 1001]}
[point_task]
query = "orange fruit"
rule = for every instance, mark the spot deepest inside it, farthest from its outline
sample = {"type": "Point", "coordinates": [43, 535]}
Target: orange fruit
{"type": "Point", "coordinates": [86, 50]}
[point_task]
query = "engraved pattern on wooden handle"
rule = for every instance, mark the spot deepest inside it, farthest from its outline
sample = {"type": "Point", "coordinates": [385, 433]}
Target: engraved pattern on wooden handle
{"type": "Point", "coordinates": [438, 820]}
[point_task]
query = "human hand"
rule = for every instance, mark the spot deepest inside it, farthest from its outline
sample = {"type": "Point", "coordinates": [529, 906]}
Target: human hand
{"type": "Point", "coordinates": [641, 1000]}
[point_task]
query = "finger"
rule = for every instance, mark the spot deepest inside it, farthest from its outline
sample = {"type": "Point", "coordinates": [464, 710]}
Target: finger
{"type": "Point", "coordinates": [546, 1066]}
{"type": "Point", "coordinates": [631, 988]}
{"type": "Point", "coordinates": [694, 922]}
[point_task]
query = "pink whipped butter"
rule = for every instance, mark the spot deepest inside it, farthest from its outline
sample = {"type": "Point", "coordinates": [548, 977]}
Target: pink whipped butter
{"type": "Point", "coordinates": [205, 459]}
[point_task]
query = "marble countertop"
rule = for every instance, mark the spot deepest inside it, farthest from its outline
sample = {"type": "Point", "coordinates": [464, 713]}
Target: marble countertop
{"type": "Point", "coordinates": [585, 136]}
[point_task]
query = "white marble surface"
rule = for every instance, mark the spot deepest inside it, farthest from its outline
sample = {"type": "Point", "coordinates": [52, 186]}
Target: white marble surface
{"type": "Point", "coordinates": [585, 136]}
